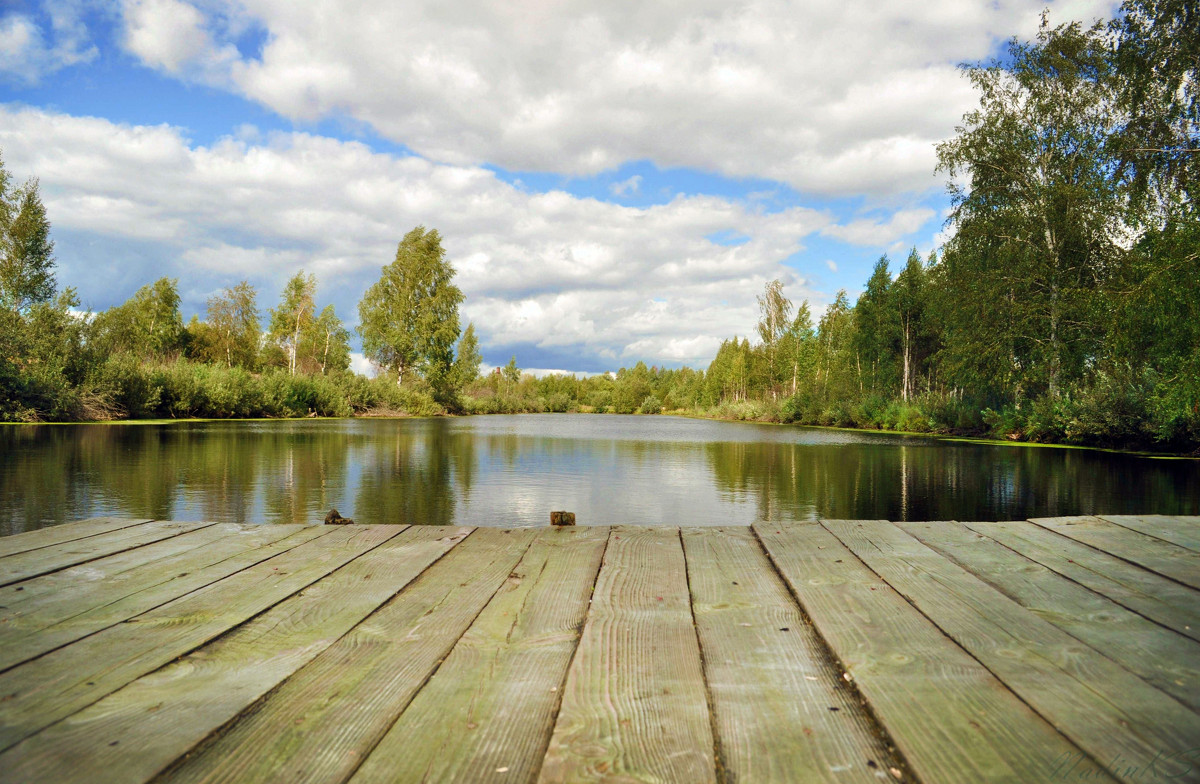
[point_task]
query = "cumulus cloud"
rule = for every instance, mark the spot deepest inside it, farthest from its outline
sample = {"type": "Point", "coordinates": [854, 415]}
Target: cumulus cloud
{"type": "Point", "coordinates": [30, 50]}
{"type": "Point", "coordinates": [576, 275]}
{"type": "Point", "coordinates": [880, 232]}
{"type": "Point", "coordinates": [173, 35]}
{"type": "Point", "coordinates": [830, 96]}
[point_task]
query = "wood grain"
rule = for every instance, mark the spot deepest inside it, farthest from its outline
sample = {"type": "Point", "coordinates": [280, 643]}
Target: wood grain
{"type": "Point", "coordinates": [634, 706]}
{"type": "Point", "coordinates": [50, 611]}
{"type": "Point", "coordinates": [1164, 658]}
{"type": "Point", "coordinates": [487, 713]}
{"type": "Point", "coordinates": [36, 694]}
{"type": "Point", "coordinates": [57, 534]}
{"type": "Point", "coordinates": [136, 732]}
{"type": "Point", "coordinates": [1161, 600]}
{"type": "Point", "coordinates": [952, 720]}
{"type": "Point", "coordinates": [1169, 560]}
{"type": "Point", "coordinates": [44, 560]}
{"type": "Point", "coordinates": [1181, 531]}
{"type": "Point", "coordinates": [1110, 713]}
{"type": "Point", "coordinates": [320, 724]}
{"type": "Point", "coordinates": [770, 677]}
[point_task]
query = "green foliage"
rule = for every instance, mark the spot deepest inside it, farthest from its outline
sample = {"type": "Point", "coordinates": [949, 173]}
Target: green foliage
{"type": "Point", "coordinates": [26, 250]}
{"type": "Point", "coordinates": [1035, 232]}
{"type": "Point", "coordinates": [148, 325]}
{"type": "Point", "coordinates": [876, 337]}
{"type": "Point", "coordinates": [650, 405]}
{"type": "Point", "coordinates": [1156, 60]}
{"type": "Point", "coordinates": [409, 318]}
{"type": "Point", "coordinates": [294, 318]}
{"type": "Point", "coordinates": [511, 373]}
{"type": "Point", "coordinates": [325, 345]}
{"type": "Point", "coordinates": [466, 360]}
{"type": "Point", "coordinates": [230, 334]}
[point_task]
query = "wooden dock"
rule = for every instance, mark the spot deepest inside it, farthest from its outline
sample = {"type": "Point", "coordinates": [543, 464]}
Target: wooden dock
{"type": "Point", "coordinates": [1063, 649]}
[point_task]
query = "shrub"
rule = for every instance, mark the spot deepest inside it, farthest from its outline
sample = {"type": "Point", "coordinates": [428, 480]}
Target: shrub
{"type": "Point", "coordinates": [558, 403]}
{"type": "Point", "coordinates": [650, 405]}
{"type": "Point", "coordinates": [128, 386]}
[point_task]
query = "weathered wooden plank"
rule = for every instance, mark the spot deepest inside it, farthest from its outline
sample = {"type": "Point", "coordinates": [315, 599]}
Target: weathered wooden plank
{"type": "Point", "coordinates": [50, 611]}
{"type": "Point", "coordinates": [320, 723]}
{"type": "Point", "coordinates": [38, 693]}
{"type": "Point", "coordinates": [952, 720]}
{"type": "Point", "coordinates": [1164, 658]}
{"type": "Point", "coordinates": [136, 732]}
{"type": "Point", "coordinates": [1146, 593]}
{"type": "Point", "coordinates": [1110, 713]}
{"type": "Point", "coordinates": [634, 706]}
{"type": "Point", "coordinates": [1158, 556]}
{"type": "Point", "coordinates": [44, 560]}
{"type": "Point", "coordinates": [67, 532]}
{"type": "Point", "coordinates": [772, 682]}
{"type": "Point", "coordinates": [486, 715]}
{"type": "Point", "coordinates": [1182, 531]}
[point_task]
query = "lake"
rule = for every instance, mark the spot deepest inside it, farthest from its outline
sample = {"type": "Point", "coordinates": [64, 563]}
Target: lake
{"type": "Point", "coordinates": [513, 470]}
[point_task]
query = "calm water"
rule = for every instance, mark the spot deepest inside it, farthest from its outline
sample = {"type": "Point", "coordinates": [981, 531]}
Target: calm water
{"type": "Point", "coordinates": [512, 470]}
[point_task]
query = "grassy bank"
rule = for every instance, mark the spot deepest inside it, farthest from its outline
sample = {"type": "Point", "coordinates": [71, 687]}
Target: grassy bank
{"type": "Point", "coordinates": [123, 389]}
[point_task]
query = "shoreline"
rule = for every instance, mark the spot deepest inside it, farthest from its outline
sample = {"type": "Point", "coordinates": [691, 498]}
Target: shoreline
{"type": "Point", "coordinates": [680, 413]}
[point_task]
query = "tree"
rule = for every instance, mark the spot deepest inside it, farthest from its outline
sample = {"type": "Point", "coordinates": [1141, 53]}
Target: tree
{"type": "Point", "coordinates": [467, 359]}
{"type": "Point", "coordinates": [1156, 58]}
{"type": "Point", "coordinates": [512, 373]}
{"type": "Point", "coordinates": [1035, 230]}
{"type": "Point", "coordinates": [775, 314]}
{"type": "Point", "coordinates": [877, 328]}
{"type": "Point", "coordinates": [409, 318]}
{"type": "Point", "coordinates": [294, 315]}
{"type": "Point", "coordinates": [835, 367]}
{"type": "Point", "coordinates": [909, 295]}
{"type": "Point", "coordinates": [799, 345]}
{"type": "Point", "coordinates": [26, 250]}
{"type": "Point", "coordinates": [325, 344]}
{"type": "Point", "coordinates": [148, 324]}
{"type": "Point", "coordinates": [233, 326]}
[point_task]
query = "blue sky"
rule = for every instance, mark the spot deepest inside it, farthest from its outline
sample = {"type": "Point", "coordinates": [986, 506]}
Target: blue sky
{"type": "Point", "coordinates": [614, 182]}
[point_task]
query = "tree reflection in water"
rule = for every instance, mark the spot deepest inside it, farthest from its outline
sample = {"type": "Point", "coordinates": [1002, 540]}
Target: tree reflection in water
{"type": "Point", "coordinates": [506, 470]}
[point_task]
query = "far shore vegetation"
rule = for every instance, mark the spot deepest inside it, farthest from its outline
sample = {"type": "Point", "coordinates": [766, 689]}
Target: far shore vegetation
{"type": "Point", "coordinates": [1063, 308]}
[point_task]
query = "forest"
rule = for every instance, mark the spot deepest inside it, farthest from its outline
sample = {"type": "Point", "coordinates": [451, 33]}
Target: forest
{"type": "Point", "coordinates": [1064, 307]}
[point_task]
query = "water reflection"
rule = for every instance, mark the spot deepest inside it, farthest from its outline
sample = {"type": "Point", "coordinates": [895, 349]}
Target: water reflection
{"type": "Point", "coordinates": [514, 470]}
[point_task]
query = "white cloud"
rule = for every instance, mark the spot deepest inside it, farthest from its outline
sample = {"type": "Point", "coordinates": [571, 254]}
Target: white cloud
{"type": "Point", "coordinates": [830, 96]}
{"type": "Point", "coordinates": [576, 275]}
{"type": "Point", "coordinates": [881, 232]}
{"type": "Point", "coordinates": [28, 52]}
{"type": "Point", "coordinates": [173, 35]}
{"type": "Point", "coordinates": [833, 267]}
{"type": "Point", "coordinates": [361, 365]}
{"type": "Point", "coordinates": [626, 187]}
{"type": "Point", "coordinates": [165, 33]}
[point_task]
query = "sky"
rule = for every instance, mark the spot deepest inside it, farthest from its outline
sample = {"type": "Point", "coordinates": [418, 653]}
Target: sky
{"type": "Point", "coordinates": [614, 180]}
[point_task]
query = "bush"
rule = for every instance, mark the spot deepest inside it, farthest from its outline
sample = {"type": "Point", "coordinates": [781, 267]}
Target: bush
{"type": "Point", "coordinates": [650, 405]}
{"type": "Point", "coordinates": [129, 386]}
{"type": "Point", "coordinates": [746, 411]}
{"type": "Point", "coordinates": [180, 391]}
{"type": "Point", "coordinates": [558, 403]}
{"type": "Point", "coordinates": [948, 413]}
{"type": "Point", "coordinates": [1113, 409]}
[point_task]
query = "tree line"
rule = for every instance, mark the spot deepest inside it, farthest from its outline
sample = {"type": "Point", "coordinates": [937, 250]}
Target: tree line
{"type": "Point", "coordinates": [140, 359]}
{"type": "Point", "coordinates": [1064, 307]}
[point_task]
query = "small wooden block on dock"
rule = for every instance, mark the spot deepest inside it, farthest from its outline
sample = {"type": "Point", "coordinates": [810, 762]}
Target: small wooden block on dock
{"type": "Point", "coordinates": [831, 651]}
